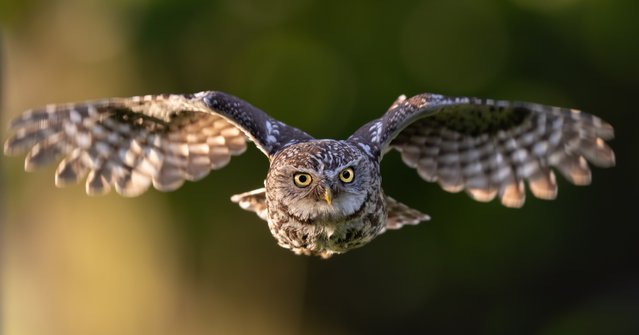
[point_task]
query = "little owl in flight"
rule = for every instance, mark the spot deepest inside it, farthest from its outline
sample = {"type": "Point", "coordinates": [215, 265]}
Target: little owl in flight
{"type": "Point", "coordinates": [320, 197]}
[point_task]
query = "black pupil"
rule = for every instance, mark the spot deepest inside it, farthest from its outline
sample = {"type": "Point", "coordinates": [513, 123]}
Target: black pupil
{"type": "Point", "coordinates": [346, 174]}
{"type": "Point", "coordinates": [302, 179]}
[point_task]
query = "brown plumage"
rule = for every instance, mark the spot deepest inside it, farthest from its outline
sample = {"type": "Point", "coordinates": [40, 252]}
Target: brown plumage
{"type": "Point", "coordinates": [321, 197]}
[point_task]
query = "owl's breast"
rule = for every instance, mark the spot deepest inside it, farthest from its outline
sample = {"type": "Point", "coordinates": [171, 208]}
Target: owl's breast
{"type": "Point", "coordinates": [324, 236]}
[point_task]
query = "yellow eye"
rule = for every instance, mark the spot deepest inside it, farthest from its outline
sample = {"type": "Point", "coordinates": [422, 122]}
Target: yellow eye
{"type": "Point", "coordinates": [347, 175]}
{"type": "Point", "coordinates": [302, 179]}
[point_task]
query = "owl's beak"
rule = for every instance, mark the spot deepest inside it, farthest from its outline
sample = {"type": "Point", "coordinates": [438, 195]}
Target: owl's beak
{"type": "Point", "coordinates": [328, 195]}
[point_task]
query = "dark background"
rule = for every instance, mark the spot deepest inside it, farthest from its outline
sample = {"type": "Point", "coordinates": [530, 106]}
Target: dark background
{"type": "Point", "coordinates": [191, 262]}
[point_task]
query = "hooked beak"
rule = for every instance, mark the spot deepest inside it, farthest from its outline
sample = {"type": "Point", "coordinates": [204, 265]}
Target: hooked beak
{"type": "Point", "coordinates": [328, 195]}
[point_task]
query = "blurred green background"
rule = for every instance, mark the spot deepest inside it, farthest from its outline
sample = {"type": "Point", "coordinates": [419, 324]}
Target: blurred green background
{"type": "Point", "coordinates": [191, 262]}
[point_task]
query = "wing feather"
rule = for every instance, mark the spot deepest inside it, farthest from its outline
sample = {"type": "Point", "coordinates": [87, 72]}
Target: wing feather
{"type": "Point", "coordinates": [490, 147]}
{"type": "Point", "coordinates": [133, 143]}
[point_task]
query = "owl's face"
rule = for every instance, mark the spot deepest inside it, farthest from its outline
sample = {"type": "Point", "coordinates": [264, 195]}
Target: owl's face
{"type": "Point", "coordinates": [319, 181]}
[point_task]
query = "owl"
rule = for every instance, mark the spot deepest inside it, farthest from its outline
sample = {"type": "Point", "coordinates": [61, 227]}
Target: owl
{"type": "Point", "coordinates": [321, 196]}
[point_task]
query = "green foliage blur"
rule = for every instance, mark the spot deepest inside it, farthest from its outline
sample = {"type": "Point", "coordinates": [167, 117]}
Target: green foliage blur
{"type": "Point", "coordinates": [191, 262]}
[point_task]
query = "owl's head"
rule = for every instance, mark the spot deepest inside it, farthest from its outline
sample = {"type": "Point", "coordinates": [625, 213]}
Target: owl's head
{"type": "Point", "coordinates": [321, 180]}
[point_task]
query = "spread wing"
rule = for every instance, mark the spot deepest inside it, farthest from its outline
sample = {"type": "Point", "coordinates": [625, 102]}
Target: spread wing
{"type": "Point", "coordinates": [131, 143]}
{"type": "Point", "coordinates": [489, 147]}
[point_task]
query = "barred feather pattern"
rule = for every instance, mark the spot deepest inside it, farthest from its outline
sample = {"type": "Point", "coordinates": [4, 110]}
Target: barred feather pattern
{"type": "Point", "coordinates": [491, 149]}
{"type": "Point", "coordinates": [126, 143]}
{"type": "Point", "coordinates": [254, 201]}
{"type": "Point", "coordinates": [400, 214]}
